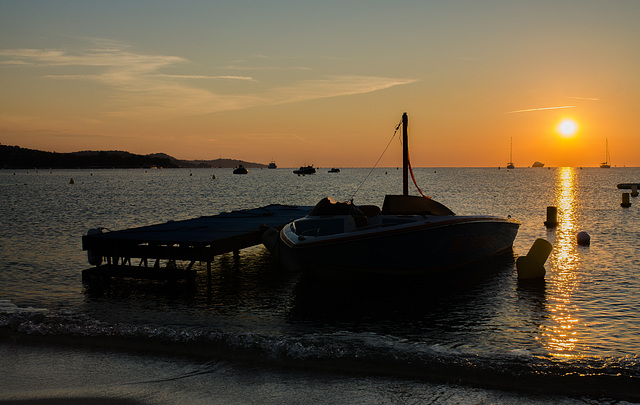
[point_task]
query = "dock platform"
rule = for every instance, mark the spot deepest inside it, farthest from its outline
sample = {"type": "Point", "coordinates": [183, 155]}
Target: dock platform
{"type": "Point", "coordinates": [168, 251]}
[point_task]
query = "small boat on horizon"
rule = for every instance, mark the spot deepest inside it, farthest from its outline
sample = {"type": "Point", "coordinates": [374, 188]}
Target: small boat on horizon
{"type": "Point", "coordinates": [240, 170]}
{"type": "Point", "coordinates": [537, 164]}
{"type": "Point", "coordinates": [606, 164]}
{"type": "Point", "coordinates": [510, 165]}
{"type": "Point", "coordinates": [305, 170]}
{"type": "Point", "coordinates": [272, 165]}
{"type": "Point", "coordinates": [410, 235]}
{"type": "Point", "coordinates": [333, 170]}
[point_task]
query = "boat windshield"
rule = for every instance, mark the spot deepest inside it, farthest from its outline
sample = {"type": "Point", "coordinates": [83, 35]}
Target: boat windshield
{"type": "Point", "coordinates": [319, 227]}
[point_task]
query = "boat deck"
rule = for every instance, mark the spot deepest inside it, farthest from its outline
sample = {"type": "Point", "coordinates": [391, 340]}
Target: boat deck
{"type": "Point", "coordinates": [161, 247]}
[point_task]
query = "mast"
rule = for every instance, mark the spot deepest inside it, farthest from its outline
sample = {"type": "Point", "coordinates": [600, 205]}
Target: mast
{"type": "Point", "coordinates": [405, 156]}
{"type": "Point", "coordinates": [511, 151]}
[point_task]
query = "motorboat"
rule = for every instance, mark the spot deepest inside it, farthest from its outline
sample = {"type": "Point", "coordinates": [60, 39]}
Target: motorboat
{"type": "Point", "coordinates": [272, 165]}
{"type": "Point", "coordinates": [409, 235]}
{"type": "Point", "coordinates": [333, 170]}
{"type": "Point", "coordinates": [537, 164]}
{"type": "Point", "coordinates": [240, 170]}
{"type": "Point", "coordinates": [305, 170]}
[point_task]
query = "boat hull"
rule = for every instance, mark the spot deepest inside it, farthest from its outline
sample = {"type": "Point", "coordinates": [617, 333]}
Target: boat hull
{"type": "Point", "coordinates": [424, 248]}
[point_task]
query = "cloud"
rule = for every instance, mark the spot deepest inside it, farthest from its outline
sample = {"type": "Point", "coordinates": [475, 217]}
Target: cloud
{"type": "Point", "coordinates": [137, 86]}
{"type": "Point", "coordinates": [247, 78]}
{"type": "Point", "coordinates": [334, 86]}
{"type": "Point", "coordinates": [585, 98]}
{"type": "Point", "coordinates": [541, 109]}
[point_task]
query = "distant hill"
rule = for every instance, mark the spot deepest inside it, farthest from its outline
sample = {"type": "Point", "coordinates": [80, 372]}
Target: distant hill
{"type": "Point", "coordinates": [14, 157]}
{"type": "Point", "coordinates": [228, 163]}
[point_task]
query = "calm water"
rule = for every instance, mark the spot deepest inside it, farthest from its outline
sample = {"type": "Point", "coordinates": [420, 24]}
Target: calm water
{"type": "Point", "coordinates": [257, 334]}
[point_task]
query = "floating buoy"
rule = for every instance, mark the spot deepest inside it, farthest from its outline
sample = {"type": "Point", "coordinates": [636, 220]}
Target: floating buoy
{"type": "Point", "coordinates": [552, 217]}
{"type": "Point", "coordinates": [625, 200]}
{"type": "Point", "coordinates": [72, 181]}
{"type": "Point", "coordinates": [634, 191]}
{"type": "Point", "coordinates": [583, 238]}
{"type": "Point", "coordinates": [190, 174]}
{"type": "Point", "coordinates": [213, 176]}
{"type": "Point", "coordinates": [532, 265]}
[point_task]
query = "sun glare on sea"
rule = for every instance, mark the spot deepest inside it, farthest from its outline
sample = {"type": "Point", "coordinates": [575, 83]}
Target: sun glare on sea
{"type": "Point", "coordinates": [567, 128]}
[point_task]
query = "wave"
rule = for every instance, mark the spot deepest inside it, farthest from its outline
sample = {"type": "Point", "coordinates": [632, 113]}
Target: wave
{"type": "Point", "coordinates": [340, 352]}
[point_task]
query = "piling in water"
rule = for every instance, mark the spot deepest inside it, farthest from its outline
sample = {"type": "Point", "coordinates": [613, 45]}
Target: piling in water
{"type": "Point", "coordinates": [552, 217]}
{"type": "Point", "coordinates": [625, 201]}
{"type": "Point", "coordinates": [531, 266]}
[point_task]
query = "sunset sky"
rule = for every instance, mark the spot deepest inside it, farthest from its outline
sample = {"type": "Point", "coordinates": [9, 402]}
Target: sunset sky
{"type": "Point", "coordinates": [325, 82]}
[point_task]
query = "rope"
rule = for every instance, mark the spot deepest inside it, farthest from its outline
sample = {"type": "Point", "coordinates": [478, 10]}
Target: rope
{"type": "Point", "coordinates": [414, 180]}
{"type": "Point", "coordinates": [378, 161]}
{"type": "Point", "coordinates": [413, 177]}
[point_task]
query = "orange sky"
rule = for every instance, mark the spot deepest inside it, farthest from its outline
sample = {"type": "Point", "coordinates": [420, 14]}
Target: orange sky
{"type": "Point", "coordinates": [324, 84]}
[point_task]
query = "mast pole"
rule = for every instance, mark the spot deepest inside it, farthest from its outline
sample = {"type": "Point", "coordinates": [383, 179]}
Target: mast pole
{"type": "Point", "coordinates": [405, 156]}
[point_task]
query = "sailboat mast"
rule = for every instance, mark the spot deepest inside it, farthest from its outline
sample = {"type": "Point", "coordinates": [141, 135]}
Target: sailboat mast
{"type": "Point", "coordinates": [405, 155]}
{"type": "Point", "coordinates": [511, 151]}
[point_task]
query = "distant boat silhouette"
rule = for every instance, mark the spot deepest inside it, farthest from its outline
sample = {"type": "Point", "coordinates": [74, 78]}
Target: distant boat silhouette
{"type": "Point", "coordinates": [272, 165]}
{"type": "Point", "coordinates": [510, 165]}
{"type": "Point", "coordinates": [537, 164]}
{"type": "Point", "coordinates": [606, 164]}
{"type": "Point", "coordinates": [305, 170]}
{"type": "Point", "coordinates": [240, 170]}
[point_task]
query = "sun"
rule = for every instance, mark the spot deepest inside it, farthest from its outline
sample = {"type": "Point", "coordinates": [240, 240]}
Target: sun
{"type": "Point", "coordinates": [567, 128]}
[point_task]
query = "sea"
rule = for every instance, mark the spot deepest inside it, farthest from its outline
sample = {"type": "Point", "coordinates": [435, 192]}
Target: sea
{"type": "Point", "coordinates": [257, 334]}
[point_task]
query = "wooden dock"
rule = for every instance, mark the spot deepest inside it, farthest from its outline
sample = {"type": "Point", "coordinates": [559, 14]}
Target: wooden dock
{"type": "Point", "coordinates": [168, 251]}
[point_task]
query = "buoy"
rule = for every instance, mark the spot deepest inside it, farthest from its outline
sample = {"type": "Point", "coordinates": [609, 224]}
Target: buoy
{"type": "Point", "coordinates": [532, 265]}
{"type": "Point", "coordinates": [72, 181]}
{"type": "Point", "coordinates": [213, 176]}
{"type": "Point", "coordinates": [583, 238]}
{"type": "Point", "coordinates": [634, 191]}
{"type": "Point", "coordinates": [625, 200]}
{"type": "Point", "coordinates": [552, 217]}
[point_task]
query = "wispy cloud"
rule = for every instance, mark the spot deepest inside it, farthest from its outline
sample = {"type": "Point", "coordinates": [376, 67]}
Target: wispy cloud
{"type": "Point", "coordinates": [138, 86]}
{"type": "Point", "coordinates": [541, 109]}
{"type": "Point", "coordinates": [334, 86]}
{"type": "Point", "coordinates": [221, 77]}
{"type": "Point", "coordinates": [585, 98]}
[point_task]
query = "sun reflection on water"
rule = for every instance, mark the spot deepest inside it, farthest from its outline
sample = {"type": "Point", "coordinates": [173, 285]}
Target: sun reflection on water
{"type": "Point", "coordinates": [559, 335]}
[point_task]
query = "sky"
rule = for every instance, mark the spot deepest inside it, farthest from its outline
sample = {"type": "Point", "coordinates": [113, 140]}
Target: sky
{"type": "Point", "coordinates": [325, 83]}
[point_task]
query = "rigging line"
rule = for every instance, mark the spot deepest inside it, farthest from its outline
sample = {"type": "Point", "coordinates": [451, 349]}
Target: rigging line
{"type": "Point", "coordinates": [413, 177]}
{"type": "Point", "coordinates": [378, 161]}
{"type": "Point", "coordinates": [414, 180]}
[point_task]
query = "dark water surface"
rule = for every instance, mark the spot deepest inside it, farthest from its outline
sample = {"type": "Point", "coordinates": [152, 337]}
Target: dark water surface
{"type": "Point", "coordinates": [257, 334]}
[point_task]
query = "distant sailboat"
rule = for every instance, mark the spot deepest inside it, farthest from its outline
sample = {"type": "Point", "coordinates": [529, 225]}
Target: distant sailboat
{"type": "Point", "coordinates": [606, 164]}
{"type": "Point", "coordinates": [510, 165]}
